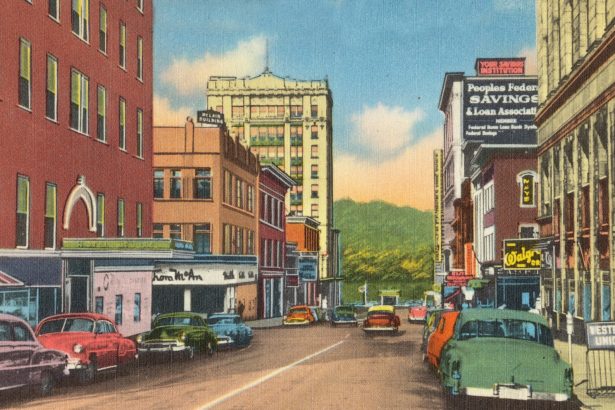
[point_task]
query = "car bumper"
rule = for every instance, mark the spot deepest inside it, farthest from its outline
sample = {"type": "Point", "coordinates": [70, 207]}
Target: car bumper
{"type": "Point", "coordinates": [143, 350]}
{"type": "Point", "coordinates": [344, 322]}
{"type": "Point", "coordinates": [379, 329]}
{"type": "Point", "coordinates": [224, 342]}
{"type": "Point", "coordinates": [75, 364]}
{"type": "Point", "coordinates": [415, 319]}
{"type": "Point", "coordinates": [296, 323]}
{"type": "Point", "coordinates": [514, 393]}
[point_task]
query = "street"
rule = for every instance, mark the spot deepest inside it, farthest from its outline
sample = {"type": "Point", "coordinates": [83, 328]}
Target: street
{"type": "Point", "coordinates": [286, 368]}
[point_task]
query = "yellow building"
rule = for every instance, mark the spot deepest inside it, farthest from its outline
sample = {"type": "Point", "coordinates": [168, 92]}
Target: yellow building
{"type": "Point", "coordinates": [287, 123]}
{"type": "Point", "coordinates": [576, 130]}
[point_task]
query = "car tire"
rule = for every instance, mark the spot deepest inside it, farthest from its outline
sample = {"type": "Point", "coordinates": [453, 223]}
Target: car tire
{"type": "Point", "coordinates": [88, 375]}
{"type": "Point", "coordinates": [189, 353]}
{"type": "Point", "coordinates": [47, 383]}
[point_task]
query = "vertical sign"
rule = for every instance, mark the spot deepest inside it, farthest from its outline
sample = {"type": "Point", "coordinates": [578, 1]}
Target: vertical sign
{"type": "Point", "coordinates": [437, 210]}
{"type": "Point", "coordinates": [527, 190]}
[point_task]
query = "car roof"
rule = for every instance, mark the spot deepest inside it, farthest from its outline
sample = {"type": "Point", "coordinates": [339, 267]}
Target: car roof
{"type": "Point", "coordinates": [494, 314]}
{"type": "Point", "coordinates": [11, 318]}
{"type": "Point", "coordinates": [382, 308]}
{"type": "Point", "coordinates": [229, 315]}
{"type": "Point", "coordinates": [85, 315]}
{"type": "Point", "coordinates": [178, 314]}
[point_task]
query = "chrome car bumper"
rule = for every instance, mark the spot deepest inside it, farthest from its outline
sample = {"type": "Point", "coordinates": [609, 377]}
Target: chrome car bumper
{"type": "Point", "coordinates": [296, 323]}
{"type": "Point", "coordinates": [379, 329]}
{"type": "Point", "coordinates": [161, 348]}
{"type": "Point", "coordinates": [344, 322]}
{"type": "Point", "coordinates": [225, 341]}
{"type": "Point", "coordinates": [515, 393]}
{"type": "Point", "coordinates": [75, 364]}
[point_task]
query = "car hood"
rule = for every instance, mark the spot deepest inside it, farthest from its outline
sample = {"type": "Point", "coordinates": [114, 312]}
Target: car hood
{"type": "Point", "coordinates": [485, 361]}
{"type": "Point", "coordinates": [166, 332]}
{"type": "Point", "coordinates": [344, 314]}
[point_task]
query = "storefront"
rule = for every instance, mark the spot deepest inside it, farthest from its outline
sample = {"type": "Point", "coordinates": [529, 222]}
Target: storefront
{"type": "Point", "coordinates": [307, 268]}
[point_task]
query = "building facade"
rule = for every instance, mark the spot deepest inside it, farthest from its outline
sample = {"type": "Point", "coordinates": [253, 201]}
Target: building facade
{"type": "Point", "coordinates": [273, 185]}
{"type": "Point", "coordinates": [304, 231]}
{"type": "Point", "coordinates": [76, 118]}
{"type": "Point", "coordinates": [288, 123]}
{"type": "Point", "coordinates": [576, 126]}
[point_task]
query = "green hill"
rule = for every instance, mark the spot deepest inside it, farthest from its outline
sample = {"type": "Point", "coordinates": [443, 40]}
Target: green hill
{"type": "Point", "coordinates": [385, 245]}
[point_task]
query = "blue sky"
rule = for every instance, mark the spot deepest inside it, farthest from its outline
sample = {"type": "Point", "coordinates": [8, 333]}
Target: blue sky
{"type": "Point", "coordinates": [385, 61]}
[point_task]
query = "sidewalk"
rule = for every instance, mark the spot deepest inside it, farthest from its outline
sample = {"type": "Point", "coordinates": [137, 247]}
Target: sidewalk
{"type": "Point", "coordinates": [265, 323]}
{"type": "Point", "coordinates": [580, 375]}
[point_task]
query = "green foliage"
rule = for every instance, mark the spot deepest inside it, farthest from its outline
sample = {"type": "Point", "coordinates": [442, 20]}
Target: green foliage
{"type": "Point", "coordinates": [408, 290]}
{"type": "Point", "coordinates": [385, 243]}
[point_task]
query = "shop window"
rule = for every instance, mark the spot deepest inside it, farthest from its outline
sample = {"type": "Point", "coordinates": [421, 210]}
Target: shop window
{"type": "Point", "coordinates": [50, 216]}
{"type": "Point", "coordinates": [25, 72]}
{"type": "Point", "coordinates": [80, 15]}
{"type": "Point", "coordinates": [137, 308]}
{"type": "Point", "coordinates": [79, 101]}
{"type": "Point", "coordinates": [120, 217]}
{"type": "Point", "coordinates": [175, 231]}
{"type": "Point", "coordinates": [606, 302]}
{"type": "Point", "coordinates": [53, 8]}
{"type": "Point", "coordinates": [51, 92]}
{"type": "Point", "coordinates": [100, 215]}
{"type": "Point", "coordinates": [202, 238]}
{"type": "Point", "coordinates": [101, 119]}
{"type": "Point", "coordinates": [102, 30]}
{"type": "Point", "coordinates": [99, 303]}
{"type": "Point", "coordinates": [118, 309]}
{"type": "Point", "coordinates": [158, 184]}
{"type": "Point", "coordinates": [23, 211]}
{"type": "Point", "coordinates": [202, 183]}
{"type": "Point", "coordinates": [176, 183]}
{"type": "Point", "coordinates": [157, 231]}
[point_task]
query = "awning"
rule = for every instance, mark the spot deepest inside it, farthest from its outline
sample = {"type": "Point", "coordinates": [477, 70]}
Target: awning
{"type": "Point", "coordinates": [477, 283]}
{"type": "Point", "coordinates": [8, 280]}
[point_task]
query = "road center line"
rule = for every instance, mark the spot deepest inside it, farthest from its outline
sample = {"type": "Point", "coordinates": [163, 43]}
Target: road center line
{"type": "Point", "coordinates": [263, 379]}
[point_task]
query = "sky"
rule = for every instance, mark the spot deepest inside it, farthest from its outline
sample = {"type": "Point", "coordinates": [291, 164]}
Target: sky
{"type": "Point", "coordinates": [384, 60]}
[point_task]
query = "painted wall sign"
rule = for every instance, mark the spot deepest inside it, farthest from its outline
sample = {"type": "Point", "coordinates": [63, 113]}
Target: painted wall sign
{"type": "Point", "coordinates": [210, 117]}
{"type": "Point", "coordinates": [126, 244]}
{"type": "Point", "coordinates": [207, 274]}
{"type": "Point", "coordinates": [522, 254]}
{"type": "Point", "coordinates": [499, 110]}
{"type": "Point", "coordinates": [600, 335]}
{"type": "Point", "coordinates": [500, 66]}
{"type": "Point", "coordinates": [307, 268]}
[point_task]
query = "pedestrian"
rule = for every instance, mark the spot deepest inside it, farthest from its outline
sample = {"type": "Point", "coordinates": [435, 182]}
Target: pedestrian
{"type": "Point", "coordinates": [240, 308]}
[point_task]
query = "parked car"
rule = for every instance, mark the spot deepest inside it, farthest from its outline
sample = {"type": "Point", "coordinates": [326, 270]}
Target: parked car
{"type": "Point", "coordinates": [504, 354]}
{"type": "Point", "coordinates": [230, 329]}
{"type": "Point", "coordinates": [24, 361]}
{"type": "Point", "coordinates": [431, 324]}
{"type": "Point", "coordinates": [91, 341]}
{"type": "Point", "coordinates": [440, 336]}
{"type": "Point", "coordinates": [183, 333]}
{"type": "Point", "coordinates": [381, 318]}
{"type": "Point", "coordinates": [418, 313]}
{"type": "Point", "coordinates": [344, 315]}
{"type": "Point", "coordinates": [299, 315]}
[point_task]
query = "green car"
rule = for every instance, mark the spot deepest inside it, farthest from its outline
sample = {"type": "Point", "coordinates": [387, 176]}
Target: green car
{"type": "Point", "coordinates": [504, 354]}
{"type": "Point", "coordinates": [182, 333]}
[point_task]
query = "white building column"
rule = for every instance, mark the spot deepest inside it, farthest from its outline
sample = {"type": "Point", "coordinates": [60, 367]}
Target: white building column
{"type": "Point", "coordinates": [187, 300]}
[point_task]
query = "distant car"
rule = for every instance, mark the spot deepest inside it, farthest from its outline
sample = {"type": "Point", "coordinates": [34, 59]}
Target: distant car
{"type": "Point", "coordinates": [230, 329]}
{"type": "Point", "coordinates": [24, 361]}
{"type": "Point", "coordinates": [91, 341]}
{"type": "Point", "coordinates": [344, 315]}
{"type": "Point", "coordinates": [440, 336]}
{"type": "Point", "coordinates": [417, 314]}
{"type": "Point", "coordinates": [299, 315]}
{"type": "Point", "coordinates": [504, 354]}
{"type": "Point", "coordinates": [381, 318]}
{"type": "Point", "coordinates": [183, 333]}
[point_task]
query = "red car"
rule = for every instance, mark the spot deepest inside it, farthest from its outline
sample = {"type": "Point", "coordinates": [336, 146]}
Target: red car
{"type": "Point", "coordinates": [440, 337]}
{"type": "Point", "coordinates": [91, 341]}
{"type": "Point", "coordinates": [381, 319]}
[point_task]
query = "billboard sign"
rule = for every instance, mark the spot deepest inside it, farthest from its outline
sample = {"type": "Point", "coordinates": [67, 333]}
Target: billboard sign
{"type": "Point", "coordinates": [210, 117]}
{"type": "Point", "coordinates": [522, 254]}
{"type": "Point", "coordinates": [307, 267]}
{"type": "Point", "coordinates": [500, 110]}
{"type": "Point", "coordinates": [500, 66]}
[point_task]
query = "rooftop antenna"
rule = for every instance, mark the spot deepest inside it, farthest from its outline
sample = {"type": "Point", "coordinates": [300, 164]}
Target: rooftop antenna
{"type": "Point", "coordinates": [266, 55]}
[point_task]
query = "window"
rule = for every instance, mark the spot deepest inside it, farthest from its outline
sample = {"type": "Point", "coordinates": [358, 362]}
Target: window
{"type": "Point", "coordinates": [53, 9]}
{"type": "Point", "coordinates": [122, 53]}
{"type": "Point", "coordinates": [250, 246]}
{"type": "Point", "coordinates": [137, 308]}
{"type": "Point", "coordinates": [101, 119]}
{"type": "Point", "coordinates": [158, 183]}
{"type": "Point", "coordinates": [314, 151]}
{"type": "Point", "coordinates": [139, 133]}
{"type": "Point", "coordinates": [80, 14]}
{"type": "Point", "coordinates": [99, 304]}
{"type": "Point", "coordinates": [314, 132]}
{"type": "Point", "coordinates": [100, 215]}
{"type": "Point", "coordinates": [202, 238]}
{"type": "Point", "coordinates": [296, 111]}
{"type": "Point", "coordinates": [120, 217]}
{"type": "Point", "coordinates": [122, 128]}
{"type": "Point", "coordinates": [102, 30]}
{"type": "Point", "coordinates": [158, 231]}
{"type": "Point", "coordinates": [25, 71]}
{"type": "Point", "coordinates": [315, 171]}
{"type": "Point", "coordinates": [226, 242]}
{"type": "Point", "coordinates": [140, 58]}
{"type": "Point", "coordinates": [139, 220]}
{"type": "Point", "coordinates": [78, 102]}
{"type": "Point", "coordinates": [22, 333]}
{"type": "Point", "coordinates": [176, 183]}
{"type": "Point", "coordinates": [118, 307]}
{"type": "Point", "coordinates": [176, 231]}
{"type": "Point", "coordinates": [23, 210]}
{"type": "Point", "coordinates": [239, 193]}
{"type": "Point", "coordinates": [314, 210]}
{"type": "Point", "coordinates": [314, 190]}
{"type": "Point", "coordinates": [314, 110]}
{"type": "Point", "coordinates": [239, 241]}
{"type": "Point", "coordinates": [51, 94]}
{"type": "Point", "coordinates": [50, 216]}
{"type": "Point", "coordinates": [250, 198]}
{"type": "Point", "coordinates": [228, 187]}
{"type": "Point", "coordinates": [140, 5]}
{"type": "Point", "coordinates": [202, 183]}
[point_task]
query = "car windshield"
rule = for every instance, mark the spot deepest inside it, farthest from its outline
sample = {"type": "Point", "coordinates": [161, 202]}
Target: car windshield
{"type": "Point", "coordinates": [344, 310]}
{"type": "Point", "coordinates": [67, 325]}
{"type": "Point", "coordinates": [177, 321]}
{"type": "Point", "coordinates": [221, 320]}
{"type": "Point", "coordinates": [507, 328]}
{"type": "Point", "coordinates": [298, 310]}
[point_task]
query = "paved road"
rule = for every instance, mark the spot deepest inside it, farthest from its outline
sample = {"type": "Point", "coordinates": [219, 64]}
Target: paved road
{"type": "Point", "coordinates": [298, 368]}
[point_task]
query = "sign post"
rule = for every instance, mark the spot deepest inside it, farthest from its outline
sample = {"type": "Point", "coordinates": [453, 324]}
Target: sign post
{"type": "Point", "coordinates": [569, 330]}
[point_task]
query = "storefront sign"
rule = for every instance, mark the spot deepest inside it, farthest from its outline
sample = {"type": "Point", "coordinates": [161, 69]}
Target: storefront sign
{"type": "Point", "coordinates": [500, 66]}
{"type": "Point", "coordinates": [498, 110]}
{"type": "Point", "coordinates": [103, 244]}
{"type": "Point", "coordinates": [307, 268]}
{"type": "Point", "coordinates": [522, 254]}
{"type": "Point", "coordinates": [206, 274]}
{"type": "Point", "coordinates": [210, 117]}
{"type": "Point", "coordinates": [457, 279]}
{"type": "Point", "coordinates": [600, 335]}
{"type": "Point", "coordinates": [437, 213]}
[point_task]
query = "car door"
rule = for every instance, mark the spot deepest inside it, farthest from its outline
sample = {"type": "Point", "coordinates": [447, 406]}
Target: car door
{"type": "Point", "coordinates": [24, 346]}
{"type": "Point", "coordinates": [7, 358]}
{"type": "Point", "coordinates": [104, 354]}
{"type": "Point", "coordinates": [114, 339]}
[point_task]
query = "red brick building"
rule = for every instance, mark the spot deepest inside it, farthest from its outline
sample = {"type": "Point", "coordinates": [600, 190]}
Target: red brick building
{"type": "Point", "coordinates": [273, 185]}
{"type": "Point", "coordinates": [76, 125]}
{"type": "Point", "coordinates": [304, 231]}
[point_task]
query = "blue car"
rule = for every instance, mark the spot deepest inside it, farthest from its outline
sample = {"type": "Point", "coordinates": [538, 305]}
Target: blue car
{"type": "Point", "coordinates": [230, 329]}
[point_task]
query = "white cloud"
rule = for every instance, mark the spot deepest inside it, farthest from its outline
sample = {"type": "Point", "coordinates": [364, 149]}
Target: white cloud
{"type": "Point", "coordinates": [189, 77]}
{"type": "Point", "coordinates": [406, 179]}
{"type": "Point", "coordinates": [165, 115]}
{"type": "Point", "coordinates": [513, 5]}
{"type": "Point", "coordinates": [385, 129]}
{"type": "Point", "coordinates": [530, 60]}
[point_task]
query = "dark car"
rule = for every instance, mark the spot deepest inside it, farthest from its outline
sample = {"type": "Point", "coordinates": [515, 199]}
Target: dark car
{"type": "Point", "coordinates": [344, 315]}
{"type": "Point", "coordinates": [230, 329]}
{"type": "Point", "coordinates": [24, 361]}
